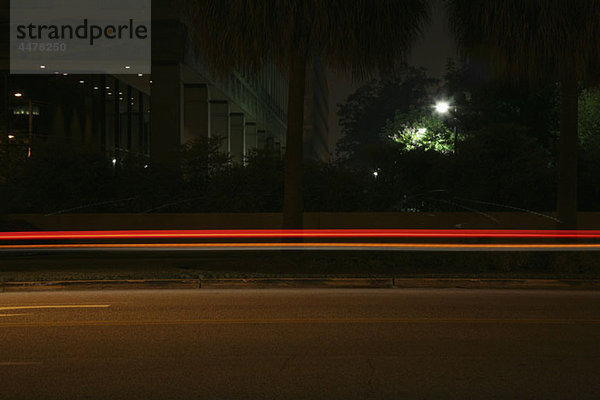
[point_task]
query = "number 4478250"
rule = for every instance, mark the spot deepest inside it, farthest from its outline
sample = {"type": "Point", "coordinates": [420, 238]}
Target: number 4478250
{"type": "Point", "coordinates": [42, 47]}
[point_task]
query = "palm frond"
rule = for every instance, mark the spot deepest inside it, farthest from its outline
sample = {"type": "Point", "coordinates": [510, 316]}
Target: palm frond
{"type": "Point", "coordinates": [358, 36]}
{"type": "Point", "coordinates": [533, 39]}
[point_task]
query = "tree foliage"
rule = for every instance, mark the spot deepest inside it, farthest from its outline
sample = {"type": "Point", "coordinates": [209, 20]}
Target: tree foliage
{"type": "Point", "coordinates": [359, 36]}
{"type": "Point", "coordinates": [484, 100]}
{"type": "Point", "coordinates": [367, 111]}
{"type": "Point", "coordinates": [534, 40]}
{"type": "Point", "coordinates": [538, 41]}
{"type": "Point", "coordinates": [420, 129]}
{"type": "Point", "coordinates": [589, 118]}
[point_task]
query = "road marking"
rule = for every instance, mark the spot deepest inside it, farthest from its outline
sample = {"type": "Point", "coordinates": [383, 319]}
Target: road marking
{"type": "Point", "coordinates": [10, 363]}
{"type": "Point", "coordinates": [402, 321]}
{"type": "Point", "coordinates": [12, 315]}
{"type": "Point", "coordinates": [10, 308]}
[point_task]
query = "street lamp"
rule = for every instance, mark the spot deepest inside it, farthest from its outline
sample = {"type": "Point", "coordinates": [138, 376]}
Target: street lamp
{"type": "Point", "coordinates": [443, 108]}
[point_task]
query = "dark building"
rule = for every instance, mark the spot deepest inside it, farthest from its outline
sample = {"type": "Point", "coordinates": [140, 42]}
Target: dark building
{"type": "Point", "coordinates": [153, 115]}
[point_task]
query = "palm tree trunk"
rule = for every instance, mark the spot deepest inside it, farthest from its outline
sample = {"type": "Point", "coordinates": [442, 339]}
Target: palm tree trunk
{"type": "Point", "coordinates": [292, 193]}
{"type": "Point", "coordinates": [567, 160]}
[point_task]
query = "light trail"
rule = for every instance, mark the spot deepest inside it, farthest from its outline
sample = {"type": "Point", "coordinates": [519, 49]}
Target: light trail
{"type": "Point", "coordinates": [12, 308]}
{"type": "Point", "coordinates": [299, 246]}
{"type": "Point", "coordinates": [226, 240]}
{"type": "Point", "coordinates": [17, 363]}
{"type": "Point", "coordinates": [12, 315]}
{"type": "Point", "coordinates": [308, 233]}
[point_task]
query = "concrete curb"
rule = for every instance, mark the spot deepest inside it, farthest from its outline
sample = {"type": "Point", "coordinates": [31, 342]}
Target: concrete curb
{"type": "Point", "coordinates": [462, 283]}
{"type": "Point", "coordinates": [99, 285]}
{"type": "Point", "coordinates": [299, 283]}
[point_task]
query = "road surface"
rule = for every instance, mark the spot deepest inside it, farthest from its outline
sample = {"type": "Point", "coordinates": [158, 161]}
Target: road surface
{"type": "Point", "coordinates": [300, 344]}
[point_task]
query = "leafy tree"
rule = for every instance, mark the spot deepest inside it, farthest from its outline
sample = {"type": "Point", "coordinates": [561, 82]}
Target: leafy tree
{"type": "Point", "coordinates": [336, 187]}
{"type": "Point", "coordinates": [356, 35]}
{"type": "Point", "coordinates": [484, 173]}
{"type": "Point", "coordinates": [254, 187]}
{"type": "Point", "coordinates": [367, 111]}
{"type": "Point", "coordinates": [13, 158]}
{"type": "Point", "coordinates": [82, 179]}
{"type": "Point", "coordinates": [202, 159]}
{"type": "Point", "coordinates": [405, 178]}
{"type": "Point", "coordinates": [420, 129]}
{"type": "Point", "coordinates": [538, 41]}
{"type": "Point", "coordinates": [481, 101]}
{"type": "Point", "coordinates": [589, 117]}
{"type": "Point", "coordinates": [589, 163]}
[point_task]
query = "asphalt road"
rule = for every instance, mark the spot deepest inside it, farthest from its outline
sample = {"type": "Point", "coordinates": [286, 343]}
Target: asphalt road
{"type": "Point", "coordinates": [300, 344]}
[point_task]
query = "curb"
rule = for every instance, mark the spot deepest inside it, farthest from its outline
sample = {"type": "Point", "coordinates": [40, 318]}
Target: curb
{"type": "Point", "coordinates": [99, 285]}
{"type": "Point", "coordinates": [463, 283]}
{"type": "Point", "coordinates": [303, 283]}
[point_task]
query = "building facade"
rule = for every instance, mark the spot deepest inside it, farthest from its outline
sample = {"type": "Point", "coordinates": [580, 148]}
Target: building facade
{"type": "Point", "coordinates": [151, 116]}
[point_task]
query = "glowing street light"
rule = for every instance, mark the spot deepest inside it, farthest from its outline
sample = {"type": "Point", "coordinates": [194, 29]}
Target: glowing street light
{"type": "Point", "coordinates": [442, 107]}
{"type": "Point", "coordinates": [18, 94]}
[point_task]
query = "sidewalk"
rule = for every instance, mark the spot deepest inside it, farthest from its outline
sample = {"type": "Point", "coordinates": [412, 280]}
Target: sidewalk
{"type": "Point", "coordinates": [299, 270]}
{"type": "Point", "coordinates": [302, 283]}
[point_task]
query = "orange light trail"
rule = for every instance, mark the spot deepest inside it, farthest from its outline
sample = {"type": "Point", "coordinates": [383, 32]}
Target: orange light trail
{"type": "Point", "coordinates": [323, 246]}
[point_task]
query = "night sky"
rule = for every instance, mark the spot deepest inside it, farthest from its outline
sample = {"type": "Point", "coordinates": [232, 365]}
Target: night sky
{"type": "Point", "coordinates": [431, 52]}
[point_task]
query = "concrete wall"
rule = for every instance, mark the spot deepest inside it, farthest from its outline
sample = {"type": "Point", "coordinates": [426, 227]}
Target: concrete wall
{"type": "Point", "coordinates": [196, 112]}
{"type": "Point", "coordinates": [237, 129]}
{"type": "Point", "coordinates": [219, 124]}
{"type": "Point", "coordinates": [311, 220]}
{"type": "Point", "coordinates": [167, 112]}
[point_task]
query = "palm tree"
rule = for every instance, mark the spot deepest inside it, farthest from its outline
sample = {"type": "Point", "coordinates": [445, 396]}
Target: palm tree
{"type": "Point", "coordinates": [357, 36]}
{"type": "Point", "coordinates": [538, 41]}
